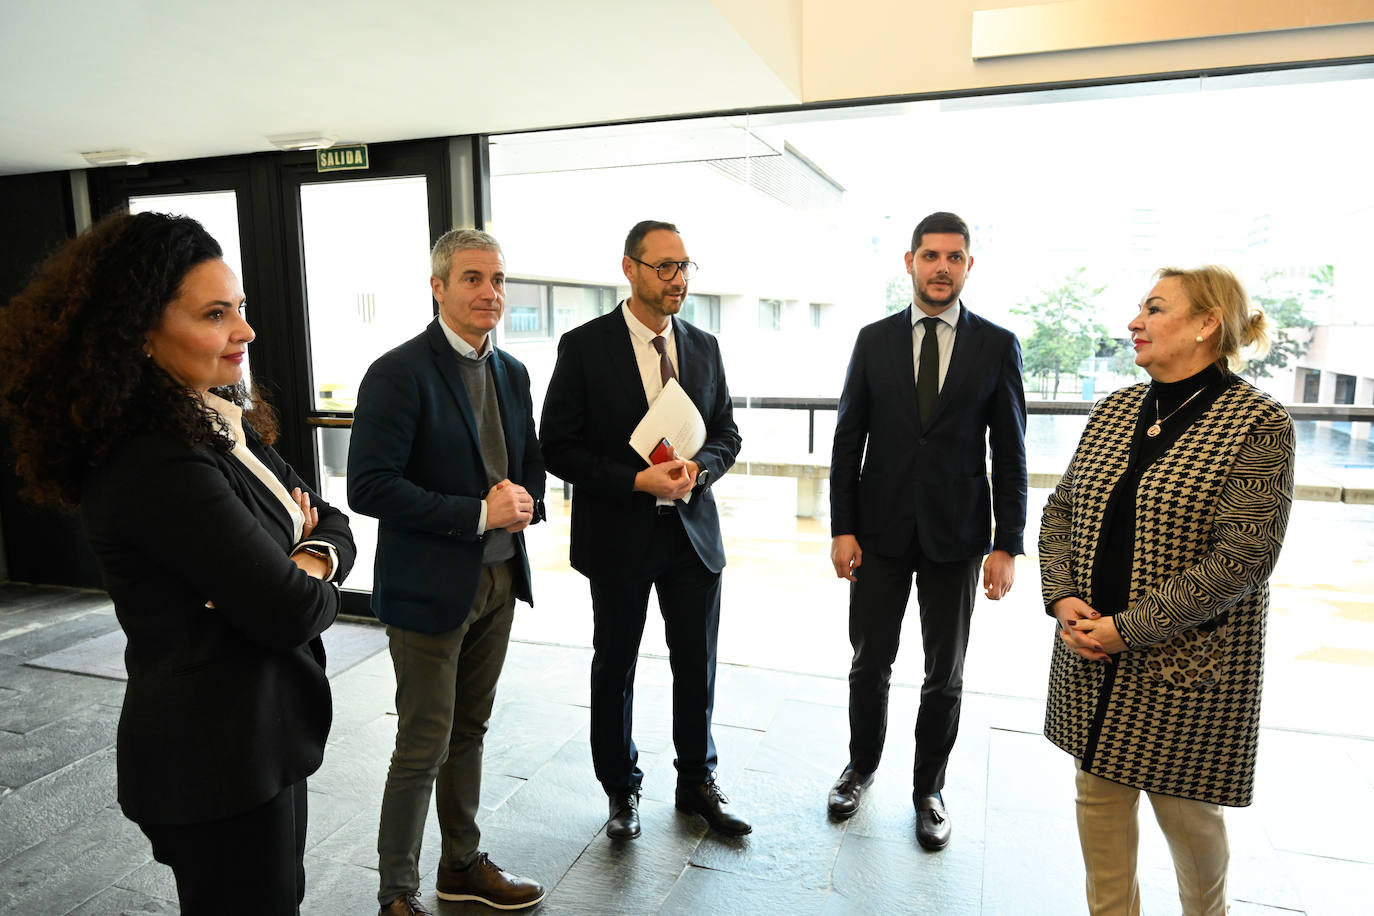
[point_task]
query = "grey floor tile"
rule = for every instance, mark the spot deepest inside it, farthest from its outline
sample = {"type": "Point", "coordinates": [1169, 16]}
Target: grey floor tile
{"type": "Point", "coordinates": [338, 889]}
{"type": "Point", "coordinates": [30, 756]}
{"type": "Point", "coordinates": [792, 840]}
{"type": "Point", "coordinates": [631, 876]}
{"type": "Point", "coordinates": [48, 806]}
{"type": "Point", "coordinates": [704, 890]}
{"type": "Point", "coordinates": [1031, 863]}
{"type": "Point", "coordinates": [524, 734]}
{"type": "Point", "coordinates": [1258, 872]}
{"type": "Point", "coordinates": [1330, 887]}
{"type": "Point", "coordinates": [38, 696]}
{"type": "Point", "coordinates": [1334, 811]}
{"type": "Point", "coordinates": [91, 617]}
{"type": "Point", "coordinates": [116, 901]}
{"type": "Point", "coordinates": [805, 738]}
{"type": "Point", "coordinates": [782, 741]}
{"type": "Point", "coordinates": [153, 879]}
{"type": "Point", "coordinates": [355, 765]}
{"type": "Point", "coordinates": [898, 876]}
{"type": "Point", "coordinates": [327, 814]}
{"type": "Point", "coordinates": [72, 864]}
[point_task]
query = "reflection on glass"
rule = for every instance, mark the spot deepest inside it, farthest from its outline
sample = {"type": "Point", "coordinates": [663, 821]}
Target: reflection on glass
{"type": "Point", "coordinates": [331, 444]}
{"type": "Point", "coordinates": [366, 253]}
{"type": "Point", "coordinates": [526, 310]}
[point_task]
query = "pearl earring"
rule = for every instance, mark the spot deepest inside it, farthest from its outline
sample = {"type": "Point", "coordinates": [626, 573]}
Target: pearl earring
{"type": "Point", "coordinates": [1197, 339]}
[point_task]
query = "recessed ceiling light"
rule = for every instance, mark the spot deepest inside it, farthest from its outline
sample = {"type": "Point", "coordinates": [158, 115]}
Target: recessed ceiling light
{"type": "Point", "coordinates": [115, 157]}
{"type": "Point", "coordinates": [302, 140]}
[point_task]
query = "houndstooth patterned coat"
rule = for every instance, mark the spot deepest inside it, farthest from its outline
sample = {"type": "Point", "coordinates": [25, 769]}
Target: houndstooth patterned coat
{"type": "Point", "coordinates": [1179, 711]}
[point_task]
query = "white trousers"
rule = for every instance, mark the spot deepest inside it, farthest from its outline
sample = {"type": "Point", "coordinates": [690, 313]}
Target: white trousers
{"type": "Point", "coordinates": [1109, 832]}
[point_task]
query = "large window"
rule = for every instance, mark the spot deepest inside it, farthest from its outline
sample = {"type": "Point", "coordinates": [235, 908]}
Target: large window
{"type": "Point", "coordinates": [814, 209]}
{"type": "Point", "coordinates": [702, 311]}
{"type": "Point", "coordinates": [540, 311]}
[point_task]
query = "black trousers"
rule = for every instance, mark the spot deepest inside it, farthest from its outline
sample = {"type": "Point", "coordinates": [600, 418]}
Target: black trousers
{"type": "Point", "coordinates": [877, 603]}
{"type": "Point", "coordinates": [249, 863]}
{"type": "Point", "coordinates": [689, 598]}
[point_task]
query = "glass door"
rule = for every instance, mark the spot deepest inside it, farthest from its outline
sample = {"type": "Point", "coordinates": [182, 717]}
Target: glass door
{"type": "Point", "coordinates": [363, 272]}
{"type": "Point", "coordinates": [335, 268]}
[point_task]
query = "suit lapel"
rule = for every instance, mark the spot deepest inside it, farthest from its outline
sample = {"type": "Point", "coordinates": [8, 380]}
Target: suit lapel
{"type": "Point", "coordinates": [268, 505]}
{"type": "Point", "coordinates": [902, 359]}
{"type": "Point", "coordinates": [690, 373]}
{"type": "Point", "coordinates": [968, 343]}
{"type": "Point", "coordinates": [446, 362]}
{"type": "Point", "coordinates": [620, 353]}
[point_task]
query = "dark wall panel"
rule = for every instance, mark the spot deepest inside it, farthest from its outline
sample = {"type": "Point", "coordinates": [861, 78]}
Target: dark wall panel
{"type": "Point", "coordinates": [41, 545]}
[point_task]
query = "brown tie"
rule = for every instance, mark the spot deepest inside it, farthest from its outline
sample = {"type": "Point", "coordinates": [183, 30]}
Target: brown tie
{"type": "Point", "coordinates": [665, 365]}
{"type": "Point", "coordinates": [928, 373]}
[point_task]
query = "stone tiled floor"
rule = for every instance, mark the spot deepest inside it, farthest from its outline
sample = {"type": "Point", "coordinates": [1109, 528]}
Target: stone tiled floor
{"type": "Point", "coordinates": [1305, 847]}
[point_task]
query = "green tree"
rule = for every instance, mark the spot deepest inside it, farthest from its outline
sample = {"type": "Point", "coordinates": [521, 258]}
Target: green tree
{"type": "Point", "coordinates": [1066, 330]}
{"type": "Point", "coordinates": [1289, 324]}
{"type": "Point", "coordinates": [898, 293]}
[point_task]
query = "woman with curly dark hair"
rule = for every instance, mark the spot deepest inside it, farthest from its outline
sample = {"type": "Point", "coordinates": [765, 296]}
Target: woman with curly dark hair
{"type": "Point", "coordinates": [123, 385]}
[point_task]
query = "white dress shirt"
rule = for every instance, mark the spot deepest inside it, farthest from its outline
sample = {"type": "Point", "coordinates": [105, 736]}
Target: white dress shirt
{"type": "Point", "coordinates": [944, 336]}
{"type": "Point", "coordinates": [233, 415]}
{"type": "Point", "coordinates": [646, 355]}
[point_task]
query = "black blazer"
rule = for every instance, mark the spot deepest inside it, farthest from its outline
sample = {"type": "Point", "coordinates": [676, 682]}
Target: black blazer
{"type": "Point", "coordinates": [595, 400]}
{"type": "Point", "coordinates": [891, 478]}
{"type": "Point", "coordinates": [415, 464]}
{"type": "Point", "coordinates": [225, 706]}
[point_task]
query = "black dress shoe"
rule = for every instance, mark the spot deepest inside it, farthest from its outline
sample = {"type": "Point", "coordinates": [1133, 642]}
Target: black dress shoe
{"type": "Point", "coordinates": [710, 802]}
{"type": "Point", "coordinates": [624, 821]}
{"type": "Point", "coordinates": [844, 797]}
{"type": "Point", "coordinates": [932, 822]}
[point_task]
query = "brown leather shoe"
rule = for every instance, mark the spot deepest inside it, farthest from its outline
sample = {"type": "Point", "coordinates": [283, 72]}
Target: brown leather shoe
{"type": "Point", "coordinates": [844, 797]}
{"type": "Point", "coordinates": [710, 802]}
{"type": "Point", "coordinates": [932, 822]}
{"type": "Point", "coordinates": [486, 882]}
{"type": "Point", "coordinates": [406, 905]}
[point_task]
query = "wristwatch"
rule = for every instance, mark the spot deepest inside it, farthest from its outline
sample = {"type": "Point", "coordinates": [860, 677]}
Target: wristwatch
{"type": "Point", "coordinates": [702, 476]}
{"type": "Point", "coordinates": [320, 552]}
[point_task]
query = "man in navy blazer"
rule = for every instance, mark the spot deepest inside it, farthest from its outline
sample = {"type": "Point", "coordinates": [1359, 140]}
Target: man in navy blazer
{"type": "Point", "coordinates": [444, 454]}
{"type": "Point", "coordinates": [928, 390]}
{"type": "Point", "coordinates": [636, 527]}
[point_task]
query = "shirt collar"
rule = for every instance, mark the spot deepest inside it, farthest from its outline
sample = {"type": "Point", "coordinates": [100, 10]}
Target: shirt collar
{"type": "Point", "coordinates": [949, 316]}
{"type": "Point", "coordinates": [638, 329]}
{"type": "Point", "coordinates": [231, 412]}
{"type": "Point", "coordinates": [462, 346]}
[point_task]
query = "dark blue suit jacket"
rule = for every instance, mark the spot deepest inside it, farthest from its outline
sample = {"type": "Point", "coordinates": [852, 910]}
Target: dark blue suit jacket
{"type": "Point", "coordinates": [415, 464]}
{"type": "Point", "coordinates": [892, 478]}
{"type": "Point", "coordinates": [595, 400]}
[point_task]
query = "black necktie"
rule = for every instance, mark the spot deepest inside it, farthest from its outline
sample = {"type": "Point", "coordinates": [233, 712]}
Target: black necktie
{"type": "Point", "coordinates": [665, 365]}
{"type": "Point", "coordinates": [928, 374]}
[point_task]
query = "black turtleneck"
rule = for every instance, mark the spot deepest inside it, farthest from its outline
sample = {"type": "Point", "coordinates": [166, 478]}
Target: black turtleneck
{"type": "Point", "coordinates": [1116, 545]}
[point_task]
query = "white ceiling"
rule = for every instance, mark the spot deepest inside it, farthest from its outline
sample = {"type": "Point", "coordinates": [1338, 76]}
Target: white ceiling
{"type": "Point", "coordinates": [182, 79]}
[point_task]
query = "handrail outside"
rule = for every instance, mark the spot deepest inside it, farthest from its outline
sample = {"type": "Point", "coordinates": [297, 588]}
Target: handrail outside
{"type": "Point", "coordinates": [1333, 412]}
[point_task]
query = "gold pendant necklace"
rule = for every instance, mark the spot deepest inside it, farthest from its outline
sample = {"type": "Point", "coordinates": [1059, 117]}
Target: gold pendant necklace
{"type": "Point", "coordinates": [1154, 427]}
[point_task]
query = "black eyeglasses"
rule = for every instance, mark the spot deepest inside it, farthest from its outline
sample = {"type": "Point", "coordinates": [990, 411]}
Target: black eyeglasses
{"type": "Point", "coordinates": [669, 269]}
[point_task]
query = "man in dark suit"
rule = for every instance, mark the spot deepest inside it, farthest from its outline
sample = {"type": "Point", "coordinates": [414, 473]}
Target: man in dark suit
{"type": "Point", "coordinates": [927, 391]}
{"type": "Point", "coordinates": [635, 526]}
{"type": "Point", "coordinates": [444, 455]}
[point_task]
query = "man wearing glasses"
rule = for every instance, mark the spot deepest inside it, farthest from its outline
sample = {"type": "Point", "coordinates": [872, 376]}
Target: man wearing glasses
{"type": "Point", "coordinates": [636, 527]}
